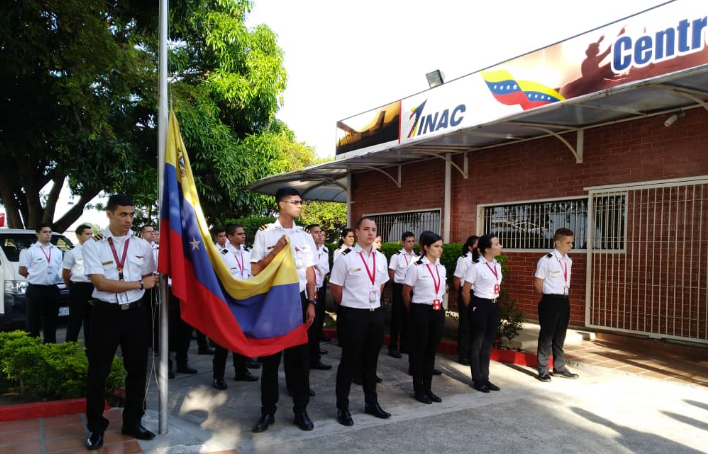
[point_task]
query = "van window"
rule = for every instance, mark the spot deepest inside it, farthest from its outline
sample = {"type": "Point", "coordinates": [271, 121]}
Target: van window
{"type": "Point", "coordinates": [13, 244]}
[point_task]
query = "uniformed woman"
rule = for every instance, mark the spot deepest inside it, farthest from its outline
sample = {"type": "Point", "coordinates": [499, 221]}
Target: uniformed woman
{"type": "Point", "coordinates": [469, 256]}
{"type": "Point", "coordinates": [427, 282]}
{"type": "Point", "coordinates": [345, 242]}
{"type": "Point", "coordinates": [484, 278]}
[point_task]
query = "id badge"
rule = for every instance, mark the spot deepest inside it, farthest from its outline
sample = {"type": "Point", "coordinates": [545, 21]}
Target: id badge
{"type": "Point", "coordinates": [373, 297]}
{"type": "Point", "coordinates": [50, 271]}
{"type": "Point", "coordinates": [565, 291]}
{"type": "Point", "coordinates": [122, 298]}
{"type": "Point", "coordinates": [436, 305]}
{"type": "Point", "coordinates": [496, 289]}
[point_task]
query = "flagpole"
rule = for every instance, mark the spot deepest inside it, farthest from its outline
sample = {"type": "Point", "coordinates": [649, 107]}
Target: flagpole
{"type": "Point", "coordinates": [163, 115]}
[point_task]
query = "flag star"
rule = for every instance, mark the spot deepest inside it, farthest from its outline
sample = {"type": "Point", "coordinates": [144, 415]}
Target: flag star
{"type": "Point", "coordinates": [515, 86]}
{"type": "Point", "coordinates": [495, 87]}
{"type": "Point", "coordinates": [195, 243]}
{"type": "Point", "coordinates": [508, 87]}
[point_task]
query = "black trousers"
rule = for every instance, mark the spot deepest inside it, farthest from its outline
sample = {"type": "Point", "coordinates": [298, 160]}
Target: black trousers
{"type": "Point", "coordinates": [180, 333]}
{"type": "Point", "coordinates": [463, 327]}
{"type": "Point", "coordinates": [314, 332]}
{"type": "Point", "coordinates": [484, 318]}
{"type": "Point", "coordinates": [42, 304]}
{"type": "Point", "coordinates": [297, 374]}
{"type": "Point", "coordinates": [553, 316]}
{"type": "Point", "coordinates": [426, 333]}
{"type": "Point", "coordinates": [110, 327]}
{"type": "Point", "coordinates": [79, 311]}
{"type": "Point", "coordinates": [399, 320]}
{"type": "Point", "coordinates": [219, 362]}
{"type": "Point", "coordinates": [361, 335]}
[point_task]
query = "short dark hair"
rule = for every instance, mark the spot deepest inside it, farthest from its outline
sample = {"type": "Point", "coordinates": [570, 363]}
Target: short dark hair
{"type": "Point", "coordinates": [407, 235]}
{"type": "Point", "coordinates": [562, 232]}
{"type": "Point", "coordinates": [80, 229]}
{"type": "Point", "coordinates": [117, 200]}
{"type": "Point", "coordinates": [364, 218]}
{"type": "Point", "coordinates": [217, 230]}
{"type": "Point", "coordinates": [231, 229]}
{"type": "Point", "coordinates": [285, 191]}
{"type": "Point", "coordinates": [311, 226]}
{"type": "Point", "coordinates": [41, 226]}
{"type": "Point", "coordinates": [142, 229]}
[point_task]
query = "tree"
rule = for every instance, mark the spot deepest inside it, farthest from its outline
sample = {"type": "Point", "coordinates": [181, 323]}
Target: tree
{"type": "Point", "coordinates": [331, 216]}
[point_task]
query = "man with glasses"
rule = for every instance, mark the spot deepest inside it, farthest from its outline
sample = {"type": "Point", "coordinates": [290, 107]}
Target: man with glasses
{"type": "Point", "coordinates": [269, 241]}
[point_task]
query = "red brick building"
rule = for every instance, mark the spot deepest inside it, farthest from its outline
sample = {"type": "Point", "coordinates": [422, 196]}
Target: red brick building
{"type": "Point", "coordinates": [621, 159]}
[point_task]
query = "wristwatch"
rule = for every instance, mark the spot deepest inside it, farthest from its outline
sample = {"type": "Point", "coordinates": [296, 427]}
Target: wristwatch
{"type": "Point", "coordinates": [142, 287]}
{"type": "Point", "coordinates": [311, 301]}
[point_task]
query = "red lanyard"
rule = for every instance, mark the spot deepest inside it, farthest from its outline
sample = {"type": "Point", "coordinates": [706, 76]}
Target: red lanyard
{"type": "Point", "coordinates": [48, 257]}
{"type": "Point", "coordinates": [405, 256]}
{"type": "Point", "coordinates": [241, 264]}
{"type": "Point", "coordinates": [493, 270]}
{"type": "Point", "coordinates": [371, 274]}
{"type": "Point", "coordinates": [565, 271]}
{"type": "Point", "coordinates": [436, 284]}
{"type": "Point", "coordinates": [119, 263]}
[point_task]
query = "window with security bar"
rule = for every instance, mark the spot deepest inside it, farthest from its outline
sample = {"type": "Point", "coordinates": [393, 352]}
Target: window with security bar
{"type": "Point", "coordinates": [531, 225]}
{"type": "Point", "coordinates": [392, 225]}
{"type": "Point", "coordinates": [609, 221]}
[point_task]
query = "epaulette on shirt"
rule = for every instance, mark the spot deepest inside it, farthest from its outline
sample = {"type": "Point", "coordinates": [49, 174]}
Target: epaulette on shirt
{"type": "Point", "coordinates": [98, 237]}
{"type": "Point", "coordinates": [346, 251]}
{"type": "Point", "coordinates": [264, 226]}
{"type": "Point", "coordinates": [247, 249]}
{"type": "Point", "coordinates": [549, 255]}
{"type": "Point", "coordinates": [224, 251]}
{"type": "Point", "coordinates": [397, 252]}
{"type": "Point", "coordinates": [324, 248]}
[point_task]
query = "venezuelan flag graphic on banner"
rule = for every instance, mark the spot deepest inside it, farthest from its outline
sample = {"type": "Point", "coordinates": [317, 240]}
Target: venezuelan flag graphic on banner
{"type": "Point", "coordinates": [255, 317]}
{"type": "Point", "coordinates": [525, 93]}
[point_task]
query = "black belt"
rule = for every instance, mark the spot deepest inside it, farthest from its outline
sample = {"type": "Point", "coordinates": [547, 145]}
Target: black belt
{"type": "Point", "coordinates": [555, 295]}
{"type": "Point", "coordinates": [490, 300]}
{"type": "Point", "coordinates": [80, 283]}
{"type": "Point", "coordinates": [40, 285]}
{"type": "Point", "coordinates": [380, 308]}
{"type": "Point", "coordinates": [116, 306]}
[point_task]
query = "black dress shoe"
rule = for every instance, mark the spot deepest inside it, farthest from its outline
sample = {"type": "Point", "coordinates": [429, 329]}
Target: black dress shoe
{"type": "Point", "coordinates": [205, 351]}
{"type": "Point", "coordinates": [434, 398]}
{"type": "Point", "coordinates": [251, 363]}
{"type": "Point", "coordinates": [262, 425]}
{"type": "Point", "coordinates": [394, 353]}
{"type": "Point", "coordinates": [319, 365]}
{"type": "Point", "coordinates": [464, 361]}
{"type": "Point", "coordinates": [493, 387]}
{"type": "Point", "coordinates": [303, 421]}
{"type": "Point", "coordinates": [94, 441]}
{"type": "Point", "coordinates": [323, 352]}
{"type": "Point", "coordinates": [186, 369]}
{"type": "Point", "coordinates": [483, 388]}
{"type": "Point", "coordinates": [376, 410]}
{"type": "Point", "coordinates": [565, 374]}
{"type": "Point", "coordinates": [220, 384]}
{"type": "Point", "coordinates": [245, 376]}
{"type": "Point", "coordinates": [138, 432]}
{"type": "Point", "coordinates": [544, 377]}
{"type": "Point", "coordinates": [344, 417]}
{"type": "Point", "coordinates": [437, 372]}
{"type": "Point", "coordinates": [423, 397]}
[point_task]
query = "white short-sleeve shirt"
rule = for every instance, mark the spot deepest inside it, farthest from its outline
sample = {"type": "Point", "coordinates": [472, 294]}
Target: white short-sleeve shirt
{"type": "Point", "coordinates": [400, 261]}
{"type": "Point", "coordinates": [242, 258]}
{"type": "Point", "coordinates": [461, 267]}
{"type": "Point", "coordinates": [350, 272]}
{"type": "Point", "coordinates": [74, 261]}
{"type": "Point", "coordinates": [43, 264]}
{"type": "Point", "coordinates": [301, 244]}
{"type": "Point", "coordinates": [427, 280]}
{"type": "Point", "coordinates": [99, 259]}
{"type": "Point", "coordinates": [555, 271]}
{"type": "Point", "coordinates": [322, 261]}
{"type": "Point", "coordinates": [485, 277]}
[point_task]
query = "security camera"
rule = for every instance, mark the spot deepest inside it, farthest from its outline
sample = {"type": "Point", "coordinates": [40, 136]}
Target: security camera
{"type": "Point", "coordinates": [672, 119]}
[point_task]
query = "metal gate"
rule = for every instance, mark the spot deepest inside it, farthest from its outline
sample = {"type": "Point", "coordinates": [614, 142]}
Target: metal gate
{"type": "Point", "coordinates": [647, 267]}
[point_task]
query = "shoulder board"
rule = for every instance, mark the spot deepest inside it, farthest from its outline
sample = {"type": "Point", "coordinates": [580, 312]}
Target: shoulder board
{"type": "Point", "coordinates": [264, 226]}
{"type": "Point", "coordinates": [224, 251]}
{"type": "Point", "coordinates": [247, 249]}
{"type": "Point", "coordinates": [98, 237]}
{"type": "Point", "coordinates": [324, 248]}
{"type": "Point", "coordinates": [549, 255]}
{"type": "Point", "coordinates": [346, 251]}
{"type": "Point", "coordinates": [397, 252]}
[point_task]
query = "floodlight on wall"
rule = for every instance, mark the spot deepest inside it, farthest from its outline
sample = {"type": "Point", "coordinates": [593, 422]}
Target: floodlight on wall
{"type": "Point", "coordinates": [672, 119]}
{"type": "Point", "coordinates": [435, 78]}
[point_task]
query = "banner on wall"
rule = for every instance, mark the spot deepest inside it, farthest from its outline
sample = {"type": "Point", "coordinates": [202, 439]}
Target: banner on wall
{"type": "Point", "coordinates": [658, 42]}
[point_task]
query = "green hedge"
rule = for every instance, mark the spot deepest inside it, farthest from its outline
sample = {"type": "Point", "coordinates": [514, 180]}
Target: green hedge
{"type": "Point", "coordinates": [41, 372]}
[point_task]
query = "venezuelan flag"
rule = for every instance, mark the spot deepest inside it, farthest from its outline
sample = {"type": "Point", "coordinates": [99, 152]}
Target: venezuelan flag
{"type": "Point", "coordinates": [526, 93]}
{"type": "Point", "coordinates": [255, 317]}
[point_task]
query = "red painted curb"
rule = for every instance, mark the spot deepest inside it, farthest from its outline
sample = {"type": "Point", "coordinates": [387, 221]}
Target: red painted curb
{"type": "Point", "coordinates": [43, 409]}
{"type": "Point", "coordinates": [450, 348]}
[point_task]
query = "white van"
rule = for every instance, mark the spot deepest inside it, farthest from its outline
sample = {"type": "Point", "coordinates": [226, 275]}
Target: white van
{"type": "Point", "coordinates": [13, 303]}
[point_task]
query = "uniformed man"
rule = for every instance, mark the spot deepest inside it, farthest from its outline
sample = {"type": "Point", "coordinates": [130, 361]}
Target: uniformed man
{"type": "Point", "coordinates": [270, 239]}
{"type": "Point", "coordinates": [40, 264]}
{"type": "Point", "coordinates": [356, 284]}
{"type": "Point", "coordinates": [220, 237]}
{"type": "Point", "coordinates": [552, 280]}
{"type": "Point", "coordinates": [80, 288]}
{"type": "Point", "coordinates": [400, 261]}
{"type": "Point", "coordinates": [314, 333]}
{"type": "Point", "coordinates": [239, 263]}
{"type": "Point", "coordinates": [150, 299]}
{"type": "Point", "coordinates": [121, 266]}
{"type": "Point", "coordinates": [469, 256]}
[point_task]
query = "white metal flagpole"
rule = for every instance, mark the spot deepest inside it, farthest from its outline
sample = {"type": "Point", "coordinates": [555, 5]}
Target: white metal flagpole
{"type": "Point", "coordinates": [163, 115]}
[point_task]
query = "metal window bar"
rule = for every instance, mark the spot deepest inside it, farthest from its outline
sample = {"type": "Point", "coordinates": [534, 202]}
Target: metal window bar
{"type": "Point", "coordinates": [392, 225]}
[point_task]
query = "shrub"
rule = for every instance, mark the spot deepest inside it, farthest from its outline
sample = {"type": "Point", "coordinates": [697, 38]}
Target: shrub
{"type": "Point", "coordinates": [48, 371]}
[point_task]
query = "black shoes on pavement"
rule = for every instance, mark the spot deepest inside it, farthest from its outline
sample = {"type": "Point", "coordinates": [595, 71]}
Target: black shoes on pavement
{"type": "Point", "coordinates": [139, 432]}
{"type": "Point", "coordinates": [245, 376]}
{"type": "Point", "coordinates": [264, 423]}
{"type": "Point", "coordinates": [376, 410]}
